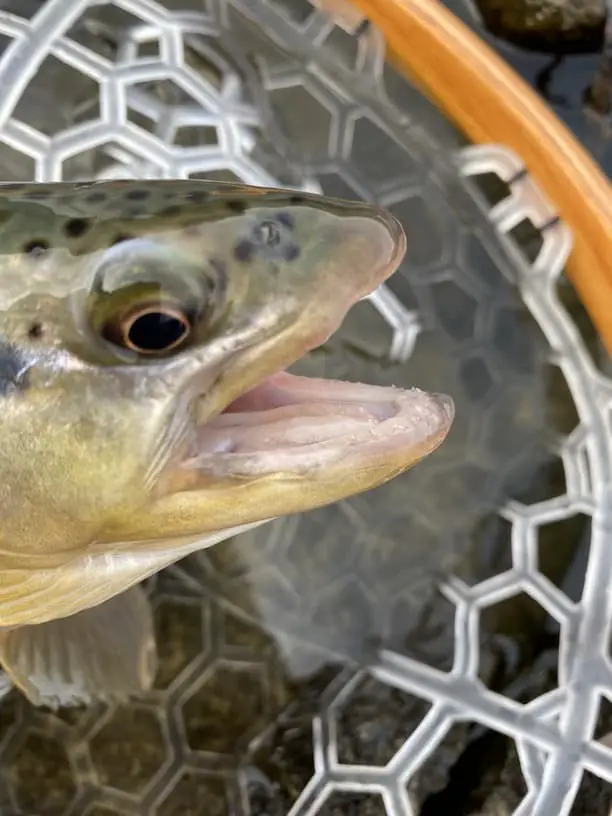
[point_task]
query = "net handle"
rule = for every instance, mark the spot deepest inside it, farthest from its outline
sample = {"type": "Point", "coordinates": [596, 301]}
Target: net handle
{"type": "Point", "coordinates": [490, 103]}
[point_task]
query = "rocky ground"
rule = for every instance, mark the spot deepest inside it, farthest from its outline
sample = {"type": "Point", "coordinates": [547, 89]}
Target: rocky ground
{"type": "Point", "coordinates": [563, 26]}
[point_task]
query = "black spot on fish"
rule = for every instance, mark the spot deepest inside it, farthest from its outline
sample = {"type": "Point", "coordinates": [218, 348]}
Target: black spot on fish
{"type": "Point", "coordinates": [236, 205]}
{"type": "Point", "coordinates": [36, 249]}
{"type": "Point", "coordinates": [244, 250]}
{"type": "Point", "coordinates": [76, 227]}
{"type": "Point", "coordinates": [138, 194]}
{"type": "Point", "coordinates": [285, 218]}
{"type": "Point", "coordinates": [296, 200]}
{"type": "Point", "coordinates": [96, 198]}
{"type": "Point", "coordinates": [35, 332]}
{"type": "Point", "coordinates": [13, 376]}
{"type": "Point", "coordinates": [291, 252]}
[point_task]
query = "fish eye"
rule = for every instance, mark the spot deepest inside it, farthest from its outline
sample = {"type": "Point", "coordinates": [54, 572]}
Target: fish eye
{"type": "Point", "coordinates": [149, 328]}
{"type": "Point", "coordinates": [147, 300]}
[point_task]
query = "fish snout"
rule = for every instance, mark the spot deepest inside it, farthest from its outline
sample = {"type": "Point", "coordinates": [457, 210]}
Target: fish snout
{"type": "Point", "coordinates": [374, 246]}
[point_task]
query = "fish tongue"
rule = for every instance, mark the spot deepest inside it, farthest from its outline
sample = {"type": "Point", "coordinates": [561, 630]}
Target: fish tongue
{"type": "Point", "coordinates": [106, 652]}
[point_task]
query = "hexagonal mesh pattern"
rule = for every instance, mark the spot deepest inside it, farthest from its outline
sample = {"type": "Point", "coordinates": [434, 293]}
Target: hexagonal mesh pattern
{"type": "Point", "coordinates": [345, 661]}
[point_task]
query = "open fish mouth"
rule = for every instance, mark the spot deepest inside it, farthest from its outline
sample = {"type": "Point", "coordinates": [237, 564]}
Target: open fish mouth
{"type": "Point", "coordinates": [298, 425]}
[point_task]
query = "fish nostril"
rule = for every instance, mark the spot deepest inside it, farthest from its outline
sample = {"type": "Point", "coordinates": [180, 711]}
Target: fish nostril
{"type": "Point", "coordinates": [267, 234]}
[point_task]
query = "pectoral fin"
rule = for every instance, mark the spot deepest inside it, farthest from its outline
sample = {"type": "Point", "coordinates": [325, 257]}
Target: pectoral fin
{"type": "Point", "coordinates": [83, 631]}
{"type": "Point", "coordinates": [106, 652]}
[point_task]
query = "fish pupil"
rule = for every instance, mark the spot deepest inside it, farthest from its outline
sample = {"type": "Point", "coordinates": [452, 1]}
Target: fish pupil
{"type": "Point", "coordinates": [157, 331]}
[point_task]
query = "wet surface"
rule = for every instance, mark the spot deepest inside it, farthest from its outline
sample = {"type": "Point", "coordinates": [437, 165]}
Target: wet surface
{"type": "Point", "coordinates": [266, 641]}
{"type": "Point", "coordinates": [565, 80]}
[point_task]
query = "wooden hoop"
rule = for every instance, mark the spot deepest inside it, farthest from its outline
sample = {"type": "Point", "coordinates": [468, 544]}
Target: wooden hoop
{"type": "Point", "coordinates": [489, 102]}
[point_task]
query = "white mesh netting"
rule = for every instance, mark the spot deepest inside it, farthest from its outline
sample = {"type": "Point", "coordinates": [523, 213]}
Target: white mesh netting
{"type": "Point", "coordinates": [142, 90]}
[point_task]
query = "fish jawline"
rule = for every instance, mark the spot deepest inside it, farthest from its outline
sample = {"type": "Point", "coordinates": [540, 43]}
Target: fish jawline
{"type": "Point", "coordinates": [304, 426]}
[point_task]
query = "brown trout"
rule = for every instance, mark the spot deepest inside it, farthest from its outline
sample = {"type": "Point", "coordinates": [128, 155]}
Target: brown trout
{"type": "Point", "coordinates": [145, 407]}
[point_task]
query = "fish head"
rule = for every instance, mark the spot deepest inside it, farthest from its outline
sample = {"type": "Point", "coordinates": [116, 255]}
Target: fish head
{"type": "Point", "coordinates": [145, 329]}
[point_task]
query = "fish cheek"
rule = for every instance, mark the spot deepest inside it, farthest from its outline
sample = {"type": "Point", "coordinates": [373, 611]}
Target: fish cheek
{"type": "Point", "coordinates": [71, 470]}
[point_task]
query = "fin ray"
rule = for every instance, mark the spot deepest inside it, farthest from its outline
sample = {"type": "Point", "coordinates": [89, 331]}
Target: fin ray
{"type": "Point", "coordinates": [103, 653]}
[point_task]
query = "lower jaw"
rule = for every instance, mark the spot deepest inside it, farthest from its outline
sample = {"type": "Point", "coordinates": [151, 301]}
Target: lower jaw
{"type": "Point", "coordinates": [289, 445]}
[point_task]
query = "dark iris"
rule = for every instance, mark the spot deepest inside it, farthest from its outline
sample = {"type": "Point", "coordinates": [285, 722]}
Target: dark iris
{"type": "Point", "coordinates": [150, 328]}
{"type": "Point", "coordinates": [157, 331]}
